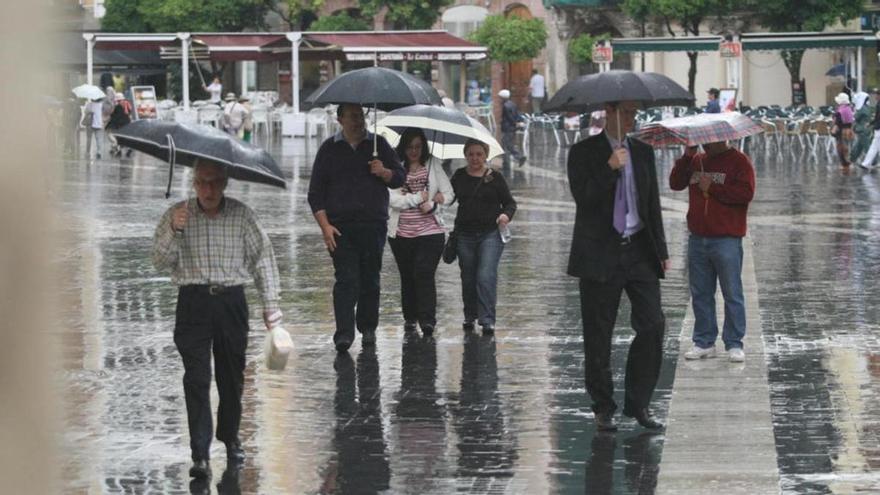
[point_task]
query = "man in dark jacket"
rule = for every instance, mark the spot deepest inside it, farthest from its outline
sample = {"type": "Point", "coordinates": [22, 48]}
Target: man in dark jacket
{"type": "Point", "coordinates": [510, 117]}
{"type": "Point", "coordinates": [618, 245]}
{"type": "Point", "coordinates": [348, 195]}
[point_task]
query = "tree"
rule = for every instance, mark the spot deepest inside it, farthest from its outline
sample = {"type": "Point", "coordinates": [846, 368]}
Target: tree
{"type": "Point", "coordinates": [406, 14]}
{"type": "Point", "coordinates": [510, 39]}
{"type": "Point", "coordinates": [339, 22]}
{"type": "Point", "coordinates": [170, 16]}
{"type": "Point", "coordinates": [292, 11]}
{"type": "Point", "coordinates": [796, 16]}
{"type": "Point", "coordinates": [687, 15]}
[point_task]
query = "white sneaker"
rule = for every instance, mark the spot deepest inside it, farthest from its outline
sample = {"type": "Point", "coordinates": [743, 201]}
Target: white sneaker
{"type": "Point", "coordinates": [697, 352]}
{"type": "Point", "coordinates": [866, 167]}
{"type": "Point", "coordinates": [736, 355]}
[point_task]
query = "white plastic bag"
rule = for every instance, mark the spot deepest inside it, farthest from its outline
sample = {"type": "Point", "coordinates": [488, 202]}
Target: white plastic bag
{"type": "Point", "coordinates": [277, 349]}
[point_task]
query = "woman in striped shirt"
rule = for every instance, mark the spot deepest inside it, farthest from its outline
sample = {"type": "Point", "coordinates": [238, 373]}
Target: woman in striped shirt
{"type": "Point", "coordinates": [416, 232]}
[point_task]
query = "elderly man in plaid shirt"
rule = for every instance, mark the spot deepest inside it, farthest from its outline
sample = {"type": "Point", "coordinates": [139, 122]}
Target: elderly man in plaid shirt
{"type": "Point", "coordinates": [213, 245]}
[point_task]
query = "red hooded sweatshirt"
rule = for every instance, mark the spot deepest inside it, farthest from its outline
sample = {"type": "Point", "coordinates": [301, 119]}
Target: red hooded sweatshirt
{"type": "Point", "coordinates": [721, 212]}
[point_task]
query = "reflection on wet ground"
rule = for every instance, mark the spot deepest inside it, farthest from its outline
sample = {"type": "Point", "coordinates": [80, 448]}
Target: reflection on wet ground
{"type": "Point", "coordinates": [459, 412]}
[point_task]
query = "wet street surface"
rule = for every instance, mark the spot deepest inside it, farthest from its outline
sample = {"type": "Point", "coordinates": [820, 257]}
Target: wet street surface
{"type": "Point", "coordinates": [461, 413]}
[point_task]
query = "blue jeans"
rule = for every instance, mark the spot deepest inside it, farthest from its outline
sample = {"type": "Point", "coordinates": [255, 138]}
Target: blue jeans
{"type": "Point", "coordinates": [478, 256]}
{"type": "Point", "coordinates": [720, 259]}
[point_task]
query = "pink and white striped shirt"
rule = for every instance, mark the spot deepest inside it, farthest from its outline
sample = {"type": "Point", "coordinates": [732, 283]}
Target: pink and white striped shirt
{"type": "Point", "coordinates": [413, 222]}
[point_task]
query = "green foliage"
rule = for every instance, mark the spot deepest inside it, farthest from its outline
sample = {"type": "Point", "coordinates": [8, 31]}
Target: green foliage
{"type": "Point", "coordinates": [581, 48]}
{"type": "Point", "coordinates": [800, 15]}
{"type": "Point", "coordinates": [122, 16]}
{"type": "Point", "coordinates": [339, 22]}
{"type": "Point", "coordinates": [407, 14]}
{"type": "Point", "coordinates": [184, 15]}
{"type": "Point", "coordinates": [292, 11]}
{"type": "Point", "coordinates": [510, 39]}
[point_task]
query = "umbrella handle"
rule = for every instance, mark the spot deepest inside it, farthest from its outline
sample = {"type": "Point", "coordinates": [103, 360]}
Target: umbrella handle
{"type": "Point", "coordinates": [172, 155]}
{"type": "Point", "coordinates": [375, 136]}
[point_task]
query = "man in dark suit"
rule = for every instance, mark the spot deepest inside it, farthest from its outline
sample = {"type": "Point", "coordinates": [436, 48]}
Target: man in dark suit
{"type": "Point", "coordinates": [618, 245]}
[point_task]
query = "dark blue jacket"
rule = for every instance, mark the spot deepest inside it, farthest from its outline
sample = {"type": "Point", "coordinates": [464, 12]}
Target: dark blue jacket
{"type": "Point", "coordinates": [343, 186]}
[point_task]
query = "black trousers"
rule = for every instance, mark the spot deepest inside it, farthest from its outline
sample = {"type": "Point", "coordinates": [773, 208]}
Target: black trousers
{"type": "Point", "coordinates": [207, 323]}
{"type": "Point", "coordinates": [599, 303]}
{"type": "Point", "coordinates": [417, 259]}
{"type": "Point", "coordinates": [357, 262]}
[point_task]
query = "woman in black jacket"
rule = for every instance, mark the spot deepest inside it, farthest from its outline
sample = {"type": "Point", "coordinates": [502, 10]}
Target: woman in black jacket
{"type": "Point", "coordinates": [118, 118]}
{"type": "Point", "coordinates": [485, 207]}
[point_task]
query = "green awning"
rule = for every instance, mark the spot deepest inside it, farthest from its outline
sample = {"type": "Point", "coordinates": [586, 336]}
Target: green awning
{"type": "Point", "coordinates": [805, 41]}
{"type": "Point", "coordinates": [681, 44]}
{"type": "Point", "coordinates": [750, 41]}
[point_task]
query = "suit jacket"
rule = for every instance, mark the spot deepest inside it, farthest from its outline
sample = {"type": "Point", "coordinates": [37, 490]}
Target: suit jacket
{"type": "Point", "coordinates": [595, 245]}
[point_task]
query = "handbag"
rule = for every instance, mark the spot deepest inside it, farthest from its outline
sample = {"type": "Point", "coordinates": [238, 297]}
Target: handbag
{"type": "Point", "coordinates": [450, 250]}
{"type": "Point", "coordinates": [87, 118]}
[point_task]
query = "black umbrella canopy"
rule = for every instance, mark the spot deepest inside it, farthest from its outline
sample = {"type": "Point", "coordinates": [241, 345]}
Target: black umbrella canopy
{"type": "Point", "coordinates": [189, 142]}
{"type": "Point", "coordinates": [384, 88]}
{"type": "Point", "coordinates": [592, 91]}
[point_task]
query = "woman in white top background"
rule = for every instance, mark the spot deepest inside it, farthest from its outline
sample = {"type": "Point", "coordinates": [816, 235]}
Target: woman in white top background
{"type": "Point", "coordinates": [215, 89]}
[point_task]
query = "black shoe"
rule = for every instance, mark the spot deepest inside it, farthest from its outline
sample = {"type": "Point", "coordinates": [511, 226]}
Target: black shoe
{"type": "Point", "coordinates": [644, 418]}
{"type": "Point", "coordinates": [200, 470]}
{"type": "Point", "coordinates": [605, 421]}
{"type": "Point", "coordinates": [468, 325]}
{"type": "Point", "coordinates": [368, 338]}
{"type": "Point", "coordinates": [522, 160]}
{"type": "Point", "coordinates": [409, 326]}
{"type": "Point", "coordinates": [488, 329]}
{"type": "Point", "coordinates": [97, 156]}
{"type": "Point", "coordinates": [343, 343]}
{"type": "Point", "coordinates": [234, 453]}
{"type": "Point", "coordinates": [128, 152]}
{"type": "Point", "coordinates": [427, 330]}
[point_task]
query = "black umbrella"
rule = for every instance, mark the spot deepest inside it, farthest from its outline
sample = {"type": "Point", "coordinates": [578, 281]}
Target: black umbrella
{"type": "Point", "coordinates": [591, 92]}
{"type": "Point", "coordinates": [377, 87]}
{"type": "Point", "coordinates": [185, 143]}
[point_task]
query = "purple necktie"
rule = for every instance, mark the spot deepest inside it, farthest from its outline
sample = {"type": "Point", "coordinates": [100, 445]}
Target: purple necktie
{"type": "Point", "coordinates": [620, 205]}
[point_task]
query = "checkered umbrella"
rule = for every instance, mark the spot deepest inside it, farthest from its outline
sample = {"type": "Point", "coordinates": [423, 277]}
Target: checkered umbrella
{"type": "Point", "coordinates": [698, 129]}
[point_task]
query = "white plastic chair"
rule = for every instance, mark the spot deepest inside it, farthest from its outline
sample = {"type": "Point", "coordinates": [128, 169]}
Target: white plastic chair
{"type": "Point", "coordinates": [260, 118]}
{"type": "Point", "coordinates": [210, 114]}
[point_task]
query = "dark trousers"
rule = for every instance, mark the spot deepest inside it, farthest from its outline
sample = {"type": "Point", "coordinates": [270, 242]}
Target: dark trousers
{"type": "Point", "coordinates": [357, 261]}
{"type": "Point", "coordinates": [599, 304]}
{"type": "Point", "coordinates": [207, 323]}
{"type": "Point", "coordinates": [508, 144]}
{"type": "Point", "coordinates": [417, 259]}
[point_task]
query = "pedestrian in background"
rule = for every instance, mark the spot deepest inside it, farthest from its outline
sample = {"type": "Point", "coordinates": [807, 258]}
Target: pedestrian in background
{"type": "Point", "coordinates": [247, 126]}
{"type": "Point", "coordinates": [212, 311]}
{"type": "Point", "coordinates": [721, 184]}
{"type": "Point", "coordinates": [842, 130]}
{"type": "Point", "coordinates": [712, 104]}
{"type": "Point", "coordinates": [537, 91]}
{"type": "Point", "coordinates": [618, 245]}
{"type": "Point", "coordinates": [510, 119]}
{"type": "Point", "coordinates": [93, 121]}
{"type": "Point", "coordinates": [868, 162]}
{"type": "Point", "coordinates": [348, 195]}
{"type": "Point", "coordinates": [864, 113]}
{"type": "Point", "coordinates": [119, 118]}
{"type": "Point", "coordinates": [416, 231]}
{"type": "Point", "coordinates": [234, 115]}
{"type": "Point", "coordinates": [485, 207]}
{"type": "Point", "coordinates": [215, 89]}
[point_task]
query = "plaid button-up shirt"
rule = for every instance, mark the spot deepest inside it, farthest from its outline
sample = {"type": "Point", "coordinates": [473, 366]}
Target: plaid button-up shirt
{"type": "Point", "coordinates": [228, 249]}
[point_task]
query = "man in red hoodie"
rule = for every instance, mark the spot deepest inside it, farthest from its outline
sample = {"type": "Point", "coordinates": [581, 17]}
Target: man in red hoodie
{"type": "Point", "coordinates": [721, 184]}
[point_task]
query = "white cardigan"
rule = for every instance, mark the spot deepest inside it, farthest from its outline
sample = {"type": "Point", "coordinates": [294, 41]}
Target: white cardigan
{"type": "Point", "coordinates": [399, 200]}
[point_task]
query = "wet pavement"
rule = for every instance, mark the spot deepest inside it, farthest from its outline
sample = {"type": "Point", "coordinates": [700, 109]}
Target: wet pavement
{"type": "Point", "coordinates": [458, 413]}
